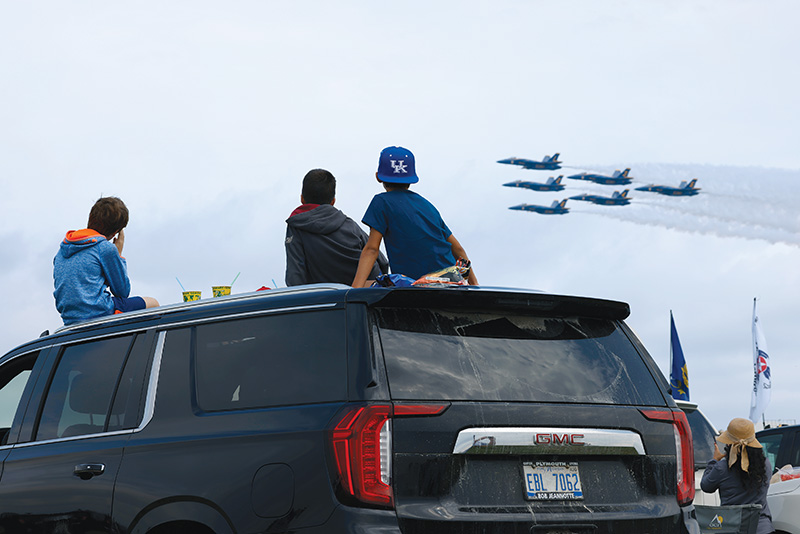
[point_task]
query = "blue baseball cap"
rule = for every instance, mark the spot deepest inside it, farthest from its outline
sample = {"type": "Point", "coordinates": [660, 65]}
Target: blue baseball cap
{"type": "Point", "coordinates": [396, 166]}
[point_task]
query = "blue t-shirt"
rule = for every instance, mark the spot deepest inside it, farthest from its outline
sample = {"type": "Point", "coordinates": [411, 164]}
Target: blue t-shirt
{"type": "Point", "coordinates": [414, 232]}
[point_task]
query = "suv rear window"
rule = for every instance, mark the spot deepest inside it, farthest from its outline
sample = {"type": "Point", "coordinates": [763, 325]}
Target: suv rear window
{"type": "Point", "coordinates": [456, 355]}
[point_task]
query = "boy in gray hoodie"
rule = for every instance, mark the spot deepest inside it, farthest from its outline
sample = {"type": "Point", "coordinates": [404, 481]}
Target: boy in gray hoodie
{"type": "Point", "coordinates": [322, 243]}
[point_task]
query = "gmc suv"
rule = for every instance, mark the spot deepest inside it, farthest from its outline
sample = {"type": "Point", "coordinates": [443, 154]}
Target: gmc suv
{"type": "Point", "coordinates": [327, 409]}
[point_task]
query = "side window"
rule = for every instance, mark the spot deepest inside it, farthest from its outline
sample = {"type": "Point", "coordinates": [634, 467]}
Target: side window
{"type": "Point", "coordinates": [81, 391]}
{"type": "Point", "coordinates": [274, 360]}
{"type": "Point", "coordinates": [14, 377]}
{"type": "Point", "coordinates": [771, 444]}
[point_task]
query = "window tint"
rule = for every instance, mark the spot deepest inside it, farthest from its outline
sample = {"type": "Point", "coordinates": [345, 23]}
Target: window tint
{"type": "Point", "coordinates": [451, 355]}
{"type": "Point", "coordinates": [82, 388]}
{"type": "Point", "coordinates": [13, 378]}
{"type": "Point", "coordinates": [272, 360]}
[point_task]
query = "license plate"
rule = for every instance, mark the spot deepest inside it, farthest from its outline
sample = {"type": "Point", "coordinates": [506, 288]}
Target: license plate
{"type": "Point", "coordinates": [549, 481]}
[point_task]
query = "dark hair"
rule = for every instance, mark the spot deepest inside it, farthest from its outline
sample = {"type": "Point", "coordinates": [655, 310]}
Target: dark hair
{"type": "Point", "coordinates": [756, 474]}
{"type": "Point", "coordinates": [319, 187]}
{"type": "Point", "coordinates": [108, 216]}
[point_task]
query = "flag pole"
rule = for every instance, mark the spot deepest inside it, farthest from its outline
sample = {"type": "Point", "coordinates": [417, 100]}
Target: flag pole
{"type": "Point", "coordinates": [762, 372]}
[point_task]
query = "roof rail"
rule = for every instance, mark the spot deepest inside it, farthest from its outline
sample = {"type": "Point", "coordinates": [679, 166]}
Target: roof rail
{"type": "Point", "coordinates": [172, 308]}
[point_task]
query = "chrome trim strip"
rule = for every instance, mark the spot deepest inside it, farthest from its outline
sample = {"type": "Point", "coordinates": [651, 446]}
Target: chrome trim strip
{"type": "Point", "coordinates": [152, 384]}
{"type": "Point", "coordinates": [95, 337]}
{"type": "Point", "coordinates": [72, 438]}
{"type": "Point", "coordinates": [548, 440]}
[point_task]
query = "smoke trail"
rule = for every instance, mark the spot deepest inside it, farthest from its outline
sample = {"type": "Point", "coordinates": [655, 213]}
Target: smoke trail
{"type": "Point", "coordinates": [746, 202]}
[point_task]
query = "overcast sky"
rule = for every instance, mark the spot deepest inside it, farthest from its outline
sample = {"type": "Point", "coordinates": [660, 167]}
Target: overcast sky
{"type": "Point", "coordinates": [204, 117]}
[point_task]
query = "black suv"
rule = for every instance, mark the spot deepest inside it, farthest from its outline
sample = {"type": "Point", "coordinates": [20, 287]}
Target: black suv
{"type": "Point", "coordinates": [326, 409]}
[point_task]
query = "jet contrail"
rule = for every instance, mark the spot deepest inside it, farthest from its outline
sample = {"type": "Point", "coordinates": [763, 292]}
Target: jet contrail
{"type": "Point", "coordinates": [746, 202]}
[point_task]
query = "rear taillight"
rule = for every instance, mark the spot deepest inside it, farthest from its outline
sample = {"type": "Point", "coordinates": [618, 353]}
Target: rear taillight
{"type": "Point", "coordinates": [361, 440]}
{"type": "Point", "coordinates": [683, 447]}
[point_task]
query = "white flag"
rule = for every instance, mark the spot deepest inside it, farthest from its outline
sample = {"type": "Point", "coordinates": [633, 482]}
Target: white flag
{"type": "Point", "coordinates": [762, 383]}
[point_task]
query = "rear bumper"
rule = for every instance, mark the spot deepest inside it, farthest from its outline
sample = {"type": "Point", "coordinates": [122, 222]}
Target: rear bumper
{"type": "Point", "coordinates": [673, 525]}
{"type": "Point", "coordinates": [350, 520]}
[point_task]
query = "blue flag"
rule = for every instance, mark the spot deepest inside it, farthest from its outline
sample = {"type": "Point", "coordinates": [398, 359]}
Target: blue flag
{"type": "Point", "coordinates": [678, 376]}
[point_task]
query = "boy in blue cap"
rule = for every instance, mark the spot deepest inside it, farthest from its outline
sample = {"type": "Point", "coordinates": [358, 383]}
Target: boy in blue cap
{"type": "Point", "coordinates": [418, 241]}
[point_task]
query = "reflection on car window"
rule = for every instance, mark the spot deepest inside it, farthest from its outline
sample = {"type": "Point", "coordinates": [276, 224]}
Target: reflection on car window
{"type": "Point", "coordinates": [444, 355]}
{"type": "Point", "coordinates": [80, 394]}
{"type": "Point", "coordinates": [271, 361]}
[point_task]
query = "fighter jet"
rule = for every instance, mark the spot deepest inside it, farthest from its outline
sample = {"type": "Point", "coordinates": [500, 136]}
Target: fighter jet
{"type": "Point", "coordinates": [616, 199]}
{"type": "Point", "coordinates": [683, 190]}
{"type": "Point", "coordinates": [556, 208]}
{"type": "Point", "coordinates": [548, 163]}
{"type": "Point", "coordinates": [552, 184]}
{"type": "Point", "coordinates": [618, 178]}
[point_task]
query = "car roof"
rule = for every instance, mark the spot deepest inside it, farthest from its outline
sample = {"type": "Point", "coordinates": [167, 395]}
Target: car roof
{"type": "Point", "coordinates": [496, 297]}
{"type": "Point", "coordinates": [778, 429]}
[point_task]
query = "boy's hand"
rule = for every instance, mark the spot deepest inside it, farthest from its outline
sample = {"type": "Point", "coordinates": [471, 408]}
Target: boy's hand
{"type": "Point", "coordinates": [119, 241]}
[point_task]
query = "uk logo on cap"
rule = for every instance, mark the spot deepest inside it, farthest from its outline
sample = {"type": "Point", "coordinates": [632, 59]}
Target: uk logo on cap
{"type": "Point", "coordinates": [396, 166]}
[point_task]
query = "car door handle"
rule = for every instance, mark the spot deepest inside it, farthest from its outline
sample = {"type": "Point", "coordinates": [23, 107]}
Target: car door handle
{"type": "Point", "coordinates": [87, 471]}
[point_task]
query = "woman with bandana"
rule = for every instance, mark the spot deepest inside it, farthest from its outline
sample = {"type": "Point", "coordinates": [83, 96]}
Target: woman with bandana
{"type": "Point", "coordinates": [742, 472]}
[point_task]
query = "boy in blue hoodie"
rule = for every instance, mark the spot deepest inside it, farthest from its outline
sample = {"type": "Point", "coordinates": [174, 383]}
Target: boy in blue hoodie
{"type": "Point", "coordinates": [89, 264]}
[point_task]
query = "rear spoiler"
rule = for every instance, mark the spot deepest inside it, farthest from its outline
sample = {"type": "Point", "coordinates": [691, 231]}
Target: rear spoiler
{"type": "Point", "coordinates": [480, 298]}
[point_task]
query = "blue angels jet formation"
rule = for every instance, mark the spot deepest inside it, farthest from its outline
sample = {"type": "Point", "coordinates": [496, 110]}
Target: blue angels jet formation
{"type": "Point", "coordinates": [554, 184]}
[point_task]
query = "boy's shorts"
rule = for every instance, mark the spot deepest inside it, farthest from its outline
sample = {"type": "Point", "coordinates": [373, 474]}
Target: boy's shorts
{"type": "Point", "coordinates": [126, 304]}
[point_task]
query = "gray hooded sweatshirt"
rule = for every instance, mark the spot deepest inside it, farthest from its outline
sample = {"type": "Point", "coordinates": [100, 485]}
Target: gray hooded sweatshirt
{"type": "Point", "coordinates": [324, 245]}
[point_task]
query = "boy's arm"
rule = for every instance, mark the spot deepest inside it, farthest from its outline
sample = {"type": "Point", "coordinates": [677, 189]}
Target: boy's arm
{"type": "Point", "coordinates": [368, 256]}
{"type": "Point", "coordinates": [459, 252]}
{"type": "Point", "coordinates": [115, 270]}
{"type": "Point", "coordinates": [295, 260]}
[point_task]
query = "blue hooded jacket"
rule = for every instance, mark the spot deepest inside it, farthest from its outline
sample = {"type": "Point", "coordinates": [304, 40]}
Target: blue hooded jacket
{"type": "Point", "coordinates": [86, 267]}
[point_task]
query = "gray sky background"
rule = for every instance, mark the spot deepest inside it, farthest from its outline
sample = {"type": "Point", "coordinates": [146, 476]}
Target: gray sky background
{"type": "Point", "coordinates": [205, 116]}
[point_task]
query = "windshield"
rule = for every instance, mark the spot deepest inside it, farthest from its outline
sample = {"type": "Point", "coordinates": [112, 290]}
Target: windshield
{"type": "Point", "coordinates": [457, 355]}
